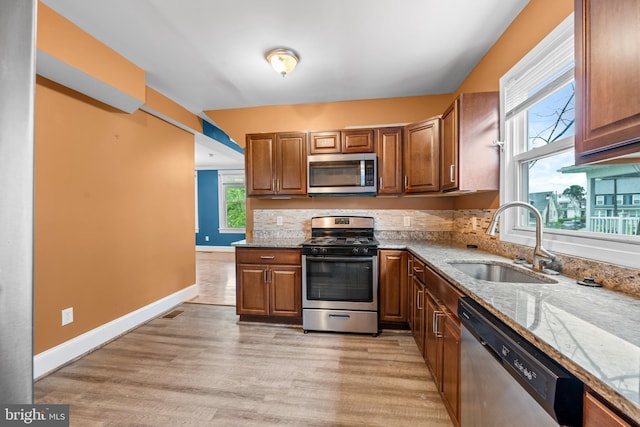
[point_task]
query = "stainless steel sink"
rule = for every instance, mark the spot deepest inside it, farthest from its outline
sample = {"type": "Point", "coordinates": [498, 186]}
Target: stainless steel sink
{"type": "Point", "coordinates": [497, 272]}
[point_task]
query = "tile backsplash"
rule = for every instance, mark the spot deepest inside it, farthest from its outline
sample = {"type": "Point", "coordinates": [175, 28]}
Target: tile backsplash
{"type": "Point", "coordinates": [464, 226]}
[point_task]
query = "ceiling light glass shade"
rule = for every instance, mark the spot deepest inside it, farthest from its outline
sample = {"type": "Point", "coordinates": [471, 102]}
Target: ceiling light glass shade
{"type": "Point", "coordinates": [282, 60]}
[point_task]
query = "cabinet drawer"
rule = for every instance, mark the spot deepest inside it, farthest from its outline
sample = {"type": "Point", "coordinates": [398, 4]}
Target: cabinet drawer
{"type": "Point", "coordinates": [448, 295]}
{"type": "Point", "coordinates": [419, 270]}
{"type": "Point", "coordinates": [444, 292]}
{"type": "Point", "coordinates": [268, 256]}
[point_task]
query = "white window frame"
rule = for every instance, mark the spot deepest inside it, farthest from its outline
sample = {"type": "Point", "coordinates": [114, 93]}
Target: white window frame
{"type": "Point", "coordinates": [616, 249]}
{"type": "Point", "coordinates": [222, 203]}
{"type": "Point", "coordinates": [635, 199]}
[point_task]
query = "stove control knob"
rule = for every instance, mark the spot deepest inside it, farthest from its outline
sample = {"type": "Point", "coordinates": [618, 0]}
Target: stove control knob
{"type": "Point", "coordinates": [323, 250]}
{"type": "Point", "coordinates": [364, 250]}
{"type": "Point", "coordinates": [356, 250]}
{"type": "Point", "coordinates": [314, 250]}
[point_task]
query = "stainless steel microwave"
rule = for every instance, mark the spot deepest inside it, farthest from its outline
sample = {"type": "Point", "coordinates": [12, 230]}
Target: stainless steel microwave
{"type": "Point", "coordinates": [336, 174]}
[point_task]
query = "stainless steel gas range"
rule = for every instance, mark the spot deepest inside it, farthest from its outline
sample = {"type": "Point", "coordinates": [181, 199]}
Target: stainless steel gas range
{"type": "Point", "coordinates": [339, 276]}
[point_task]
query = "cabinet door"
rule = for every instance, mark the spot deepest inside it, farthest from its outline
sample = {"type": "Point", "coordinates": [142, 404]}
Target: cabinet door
{"type": "Point", "coordinates": [357, 141]}
{"type": "Point", "coordinates": [410, 285]}
{"type": "Point", "coordinates": [389, 150]}
{"type": "Point", "coordinates": [393, 286]}
{"type": "Point", "coordinates": [325, 142]}
{"type": "Point", "coordinates": [291, 163]}
{"type": "Point", "coordinates": [251, 289]}
{"type": "Point", "coordinates": [597, 414]}
{"type": "Point", "coordinates": [285, 289]}
{"type": "Point", "coordinates": [433, 343]}
{"type": "Point", "coordinates": [470, 159]}
{"type": "Point", "coordinates": [449, 148]}
{"type": "Point", "coordinates": [418, 313]}
{"type": "Point", "coordinates": [422, 157]}
{"type": "Point", "coordinates": [260, 164]}
{"type": "Point", "coordinates": [451, 367]}
{"type": "Point", "coordinates": [607, 79]}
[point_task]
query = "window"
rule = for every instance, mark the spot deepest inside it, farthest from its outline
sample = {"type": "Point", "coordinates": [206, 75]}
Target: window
{"type": "Point", "coordinates": [232, 201]}
{"type": "Point", "coordinates": [579, 204]}
{"type": "Point", "coordinates": [635, 199]}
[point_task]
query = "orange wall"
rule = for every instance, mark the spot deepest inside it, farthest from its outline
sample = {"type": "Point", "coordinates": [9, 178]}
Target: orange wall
{"type": "Point", "coordinates": [62, 39]}
{"type": "Point", "coordinates": [163, 105]}
{"type": "Point", "coordinates": [532, 25]}
{"type": "Point", "coordinates": [327, 116]}
{"type": "Point", "coordinates": [114, 212]}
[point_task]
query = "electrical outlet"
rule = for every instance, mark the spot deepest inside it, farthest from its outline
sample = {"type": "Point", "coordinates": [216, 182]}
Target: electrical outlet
{"type": "Point", "coordinates": [206, 238]}
{"type": "Point", "coordinates": [278, 220]}
{"type": "Point", "coordinates": [407, 221]}
{"type": "Point", "coordinates": [67, 316]}
{"type": "Point", "coordinates": [474, 223]}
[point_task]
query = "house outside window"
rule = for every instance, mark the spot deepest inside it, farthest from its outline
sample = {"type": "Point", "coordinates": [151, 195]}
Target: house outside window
{"type": "Point", "coordinates": [582, 206]}
{"type": "Point", "coordinates": [232, 201]}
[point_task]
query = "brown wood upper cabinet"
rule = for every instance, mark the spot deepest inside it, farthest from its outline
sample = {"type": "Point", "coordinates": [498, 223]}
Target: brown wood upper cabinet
{"type": "Point", "coordinates": [389, 150]}
{"type": "Point", "coordinates": [607, 79]}
{"type": "Point", "coordinates": [470, 159]}
{"type": "Point", "coordinates": [345, 141]}
{"type": "Point", "coordinates": [276, 164]}
{"type": "Point", "coordinates": [422, 156]}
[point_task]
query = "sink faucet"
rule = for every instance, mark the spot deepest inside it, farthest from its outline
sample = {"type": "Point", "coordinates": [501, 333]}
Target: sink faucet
{"type": "Point", "coordinates": [540, 254]}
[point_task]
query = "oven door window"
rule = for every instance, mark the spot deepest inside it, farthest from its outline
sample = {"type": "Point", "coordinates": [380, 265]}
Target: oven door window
{"type": "Point", "coordinates": [340, 279]}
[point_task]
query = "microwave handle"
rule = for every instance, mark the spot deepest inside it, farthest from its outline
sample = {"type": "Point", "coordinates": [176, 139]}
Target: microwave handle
{"type": "Point", "coordinates": [362, 168]}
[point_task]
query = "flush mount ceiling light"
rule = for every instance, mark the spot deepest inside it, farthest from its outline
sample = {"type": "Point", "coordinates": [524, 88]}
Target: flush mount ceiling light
{"type": "Point", "coordinates": [282, 60]}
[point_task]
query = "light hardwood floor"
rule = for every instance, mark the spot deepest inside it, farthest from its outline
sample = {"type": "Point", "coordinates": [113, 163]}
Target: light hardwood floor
{"type": "Point", "coordinates": [204, 368]}
{"type": "Point", "coordinates": [216, 278]}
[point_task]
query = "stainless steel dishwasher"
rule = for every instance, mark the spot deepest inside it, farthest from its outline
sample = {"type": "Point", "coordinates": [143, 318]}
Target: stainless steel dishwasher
{"type": "Point", "coordinates": [506, 381]}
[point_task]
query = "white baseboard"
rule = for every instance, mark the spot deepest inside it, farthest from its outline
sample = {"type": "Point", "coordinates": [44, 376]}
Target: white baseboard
{"type": "Point", "coordinates": [58, 356]}
{"type": "Point", "coordinates": [202, 248]}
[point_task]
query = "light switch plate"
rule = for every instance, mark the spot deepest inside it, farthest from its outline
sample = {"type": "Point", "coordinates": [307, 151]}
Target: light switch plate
{"type": "Point", "coordinates": [407, 221]}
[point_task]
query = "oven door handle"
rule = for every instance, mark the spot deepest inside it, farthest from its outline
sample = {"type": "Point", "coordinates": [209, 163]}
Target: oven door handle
{"type": "Point", "coordinates": [340, 258]}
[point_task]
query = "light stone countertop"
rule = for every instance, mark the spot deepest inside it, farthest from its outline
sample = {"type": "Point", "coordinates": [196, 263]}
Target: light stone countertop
{"type": "Point", "coordinates": [593, 332]}
{"type": "Point", "coordinates": [269, 243]}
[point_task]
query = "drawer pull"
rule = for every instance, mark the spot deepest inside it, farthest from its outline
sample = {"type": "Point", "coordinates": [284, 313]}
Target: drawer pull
{"type": "Point", "coordinates": [267, 256]}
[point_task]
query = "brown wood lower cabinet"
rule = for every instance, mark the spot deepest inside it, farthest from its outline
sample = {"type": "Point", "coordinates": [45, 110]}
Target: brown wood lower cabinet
{"type": "Point", "coordinates": [393, 286]}
{"type": "Point", "coordinates": [436, 329]}
{"type": "Point", "coordinates": [268, 282]}
{"type": "Point", "coordinates": [598, 414]}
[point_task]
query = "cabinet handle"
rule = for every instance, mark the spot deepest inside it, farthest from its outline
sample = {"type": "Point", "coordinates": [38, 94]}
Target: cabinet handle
{"type": "Point", "coordinates": [380, 183]}
{"type": "Point", "coordinates": [267, 256]}
{"type": "Point", "coordinates": [265, 277]}
{"type": "Point", "coordinates": [436, 323]}
{"type": "Point", "coordinates": [273, 184]}
{"type": "Point", "coordinates": [410, 267]}
{"type": "Point", "coordinates": [406, 181]}
{"type": "Point", "coordinates": [452, 174]}
{"type": "Point", "coordinates": [419, 302]}
{"type": "Point", "coordinates": [417, 270]}
{"type": "Point", "coordinates": [277, 185]}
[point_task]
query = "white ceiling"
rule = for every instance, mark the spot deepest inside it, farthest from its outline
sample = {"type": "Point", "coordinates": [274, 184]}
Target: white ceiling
{"type": "Point", "coordinates": [209, 54]}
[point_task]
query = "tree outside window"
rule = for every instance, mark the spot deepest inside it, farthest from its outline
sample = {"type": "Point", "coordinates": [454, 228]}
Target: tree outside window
{"type": "Point", "coordinates": [232, 201]}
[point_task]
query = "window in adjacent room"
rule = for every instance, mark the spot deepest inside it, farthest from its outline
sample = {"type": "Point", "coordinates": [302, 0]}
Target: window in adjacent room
{"type": "Point", "coordinates": [232, 201]}
{"type": "Point", "coordinates": [583, 207]}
